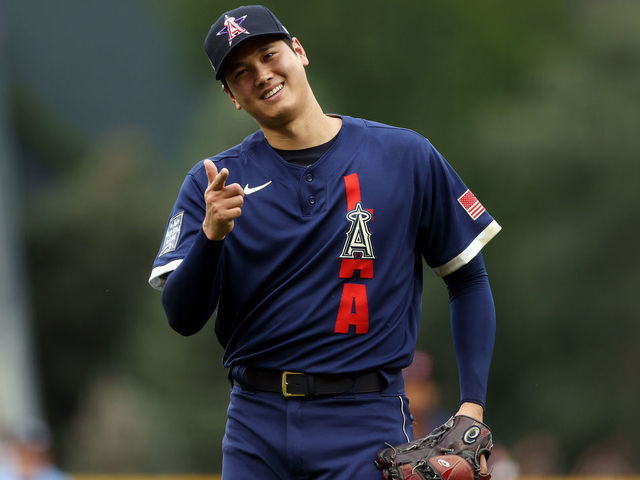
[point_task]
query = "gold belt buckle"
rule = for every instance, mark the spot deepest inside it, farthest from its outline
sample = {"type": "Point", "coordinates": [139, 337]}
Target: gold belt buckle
{"type": "Point", "coordinates": [284, 385]}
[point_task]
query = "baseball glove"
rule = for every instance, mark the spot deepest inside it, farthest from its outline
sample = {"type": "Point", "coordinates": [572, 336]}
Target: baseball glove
{"type": "Point", "coordinates": [450, 452]}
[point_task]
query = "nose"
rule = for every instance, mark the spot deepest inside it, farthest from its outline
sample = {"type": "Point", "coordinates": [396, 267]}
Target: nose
{"type": "Point", "coordinates": [263, 76]}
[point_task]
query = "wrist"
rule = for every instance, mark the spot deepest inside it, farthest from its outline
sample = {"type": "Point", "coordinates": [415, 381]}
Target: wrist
{"type": "Point", "coordinates": [212, 235]}
{"type": "Point", "coordinates": [472, 410]}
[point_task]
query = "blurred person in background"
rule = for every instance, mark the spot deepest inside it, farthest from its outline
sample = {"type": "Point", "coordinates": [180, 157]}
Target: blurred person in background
{"type": "Point", "coordinates": [612, 457]}
{"type": "Point", "coordinates": [424, 401]}
{"type": "Point", "coordinates": [29, 455]}
{"type": "Point", "coordinates": [537, 454]}
{"type": "Point", "coordinates": [424, 395]}
{"type": "Point", "coordinates": [4, 450]}
{"type": "Point", "coordinates": [501, 465]}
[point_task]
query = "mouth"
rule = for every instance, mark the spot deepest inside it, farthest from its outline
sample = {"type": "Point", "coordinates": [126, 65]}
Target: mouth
{"type": "Point", "coordinates": [273, 92]}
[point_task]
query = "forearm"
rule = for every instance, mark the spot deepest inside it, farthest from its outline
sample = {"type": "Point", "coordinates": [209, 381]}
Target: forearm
{"type": "Point", "coordinates": [191, 292]}
{"type": "Point", "coordinates": [473, 324]}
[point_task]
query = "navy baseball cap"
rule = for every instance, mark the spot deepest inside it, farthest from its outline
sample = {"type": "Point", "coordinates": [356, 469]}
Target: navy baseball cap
{"type": "Point", "coordinates": [236, 26]}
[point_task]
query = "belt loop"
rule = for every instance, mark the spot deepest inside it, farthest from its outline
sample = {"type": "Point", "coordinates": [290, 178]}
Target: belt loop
{"type": "Point", "coordinates": [236, 374]}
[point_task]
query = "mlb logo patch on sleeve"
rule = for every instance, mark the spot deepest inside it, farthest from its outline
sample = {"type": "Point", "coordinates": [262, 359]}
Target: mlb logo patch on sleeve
{"type": "Point", "coordinates": [471, 204]}
{"type": "Point", "coordinates": [173, 234]}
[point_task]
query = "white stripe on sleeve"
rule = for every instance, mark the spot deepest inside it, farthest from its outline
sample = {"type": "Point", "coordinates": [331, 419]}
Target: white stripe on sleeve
{"type": "Point", "coordinates": [157, 278]}
{"type": "Point", "coordinates": [471, 251]}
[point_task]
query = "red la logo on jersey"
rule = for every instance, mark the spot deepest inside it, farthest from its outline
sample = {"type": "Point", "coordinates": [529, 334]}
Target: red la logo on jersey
{"type": "Point", "coordinates": [232, 27]}
{"type": "Point", "coordinates": [357, 256]}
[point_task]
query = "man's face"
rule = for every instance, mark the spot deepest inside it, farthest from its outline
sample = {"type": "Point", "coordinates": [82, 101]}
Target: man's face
{"type": "Point", "coordinates": [266, 78]}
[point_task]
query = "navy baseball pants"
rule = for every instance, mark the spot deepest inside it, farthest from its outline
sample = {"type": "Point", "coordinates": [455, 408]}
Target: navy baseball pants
{"type": "Point", "coordinates": [270, 437]}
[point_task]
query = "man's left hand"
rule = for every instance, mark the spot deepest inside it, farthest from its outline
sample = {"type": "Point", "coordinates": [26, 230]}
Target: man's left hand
{"type": "Point", "coordinates": [475, 411]}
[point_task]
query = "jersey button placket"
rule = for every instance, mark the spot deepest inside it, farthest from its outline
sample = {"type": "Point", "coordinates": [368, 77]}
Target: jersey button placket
{"type": "Point", "coordinates": [312, 193]}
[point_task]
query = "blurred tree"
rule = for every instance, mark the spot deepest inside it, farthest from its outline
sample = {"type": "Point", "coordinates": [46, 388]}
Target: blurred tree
{"type": "Point", "coordinates": [88, 236]}
{"type": "Point", "coordinates": [111, 367]}
{"type": "Point", "coordinates": [421, 65]}
{"type": "Point", "coordinates": [565, 152]}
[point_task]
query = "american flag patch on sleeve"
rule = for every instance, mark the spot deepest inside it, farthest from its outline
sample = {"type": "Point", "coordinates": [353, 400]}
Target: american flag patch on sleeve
{"type": "Point", "coordinates": [471, 204]}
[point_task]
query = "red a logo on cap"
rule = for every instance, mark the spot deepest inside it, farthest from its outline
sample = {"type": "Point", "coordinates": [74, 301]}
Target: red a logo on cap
{"type": "Point", "coordinates": [232, 27]}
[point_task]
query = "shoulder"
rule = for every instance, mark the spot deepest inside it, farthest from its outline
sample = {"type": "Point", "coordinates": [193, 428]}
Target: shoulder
{"type": "Point", "coordinates": [392, 145]}
{"type": "Point", "coordinates": [392, 136]}
{"type": "Point", "coordinates": [222, 159]}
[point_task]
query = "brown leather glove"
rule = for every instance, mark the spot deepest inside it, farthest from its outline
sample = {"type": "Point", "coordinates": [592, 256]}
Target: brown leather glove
{"type": "Point", "coordinates": [450, 452]}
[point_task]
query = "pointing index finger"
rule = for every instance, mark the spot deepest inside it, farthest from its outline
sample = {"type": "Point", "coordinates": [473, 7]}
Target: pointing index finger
{"type": "Point", "coordinates": [211, 170]}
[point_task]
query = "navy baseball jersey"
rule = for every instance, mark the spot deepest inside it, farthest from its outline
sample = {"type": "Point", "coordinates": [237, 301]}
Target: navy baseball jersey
{"type": "Point", "coordinates": [322, 272]}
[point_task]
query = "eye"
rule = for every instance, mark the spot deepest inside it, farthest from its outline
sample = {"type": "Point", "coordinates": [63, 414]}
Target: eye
{"type": "Point", "coordinates": [269, 55]}
{"type": "Point", "coordinates": [239, 73]}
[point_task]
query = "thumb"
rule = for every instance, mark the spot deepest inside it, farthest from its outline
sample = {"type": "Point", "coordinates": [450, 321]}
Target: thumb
{"type": "Point", "coordinates": [484, 470]}
{"type": "Point", "coordinates": [211, 170]}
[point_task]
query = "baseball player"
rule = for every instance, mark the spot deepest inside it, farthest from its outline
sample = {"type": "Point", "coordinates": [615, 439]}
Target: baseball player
{"type": "Point", "coordinates": [307, 240]}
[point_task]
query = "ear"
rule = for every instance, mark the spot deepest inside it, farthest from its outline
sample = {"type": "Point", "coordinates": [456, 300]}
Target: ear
{"type": "Point", "coordinates": [231, 97]}
{"type": "Point", "coordinates": [297, 47]}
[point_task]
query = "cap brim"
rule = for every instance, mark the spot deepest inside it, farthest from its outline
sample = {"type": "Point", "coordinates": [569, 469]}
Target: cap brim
{"type": "Point", "coordinates": [244, 38]}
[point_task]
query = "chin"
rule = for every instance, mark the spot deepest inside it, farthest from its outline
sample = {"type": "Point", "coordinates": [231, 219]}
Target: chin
{"type": "Point", "coordinates": [276, 119]}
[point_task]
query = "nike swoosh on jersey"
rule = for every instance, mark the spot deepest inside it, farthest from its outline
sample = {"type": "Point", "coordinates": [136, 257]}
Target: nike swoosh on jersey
{"type": "Point", "coordinates": [249, 190]}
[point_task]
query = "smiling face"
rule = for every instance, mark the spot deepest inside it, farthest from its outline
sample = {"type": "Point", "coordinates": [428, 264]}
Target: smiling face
{"type": "Point", "coordinates": [266, 77]}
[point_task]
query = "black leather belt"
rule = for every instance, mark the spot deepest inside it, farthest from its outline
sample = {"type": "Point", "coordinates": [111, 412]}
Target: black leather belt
{"type": "Point", "coordinates": [295, 384]}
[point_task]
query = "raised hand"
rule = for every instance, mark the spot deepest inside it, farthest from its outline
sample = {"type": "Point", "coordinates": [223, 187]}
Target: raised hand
{"type": "Point", "coordinates": [223, 203]}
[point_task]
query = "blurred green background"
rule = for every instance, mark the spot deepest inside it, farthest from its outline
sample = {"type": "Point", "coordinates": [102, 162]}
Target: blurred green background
{"type": "Point", "coordinates": [106, 105]}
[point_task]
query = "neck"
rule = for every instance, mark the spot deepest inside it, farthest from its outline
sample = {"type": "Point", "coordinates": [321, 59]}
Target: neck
{"type": "Point", "coordinates": [307, 130]}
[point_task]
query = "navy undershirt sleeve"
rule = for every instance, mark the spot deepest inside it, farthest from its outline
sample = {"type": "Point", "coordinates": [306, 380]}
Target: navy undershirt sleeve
{"type": "Point", "coordinates": [191, 292]}
{"type": "Point", "coordinates": [473, 326]}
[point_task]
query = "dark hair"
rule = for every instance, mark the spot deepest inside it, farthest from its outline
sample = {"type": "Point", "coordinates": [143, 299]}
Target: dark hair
{"type": "Point", "coordinates": [286, 40]}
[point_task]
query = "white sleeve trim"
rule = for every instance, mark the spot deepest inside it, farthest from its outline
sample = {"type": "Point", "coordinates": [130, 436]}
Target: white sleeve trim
{"type": "Point", "coordinates": [157, 278]}
{"type": "Point", "coordinates": [471, 251]}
